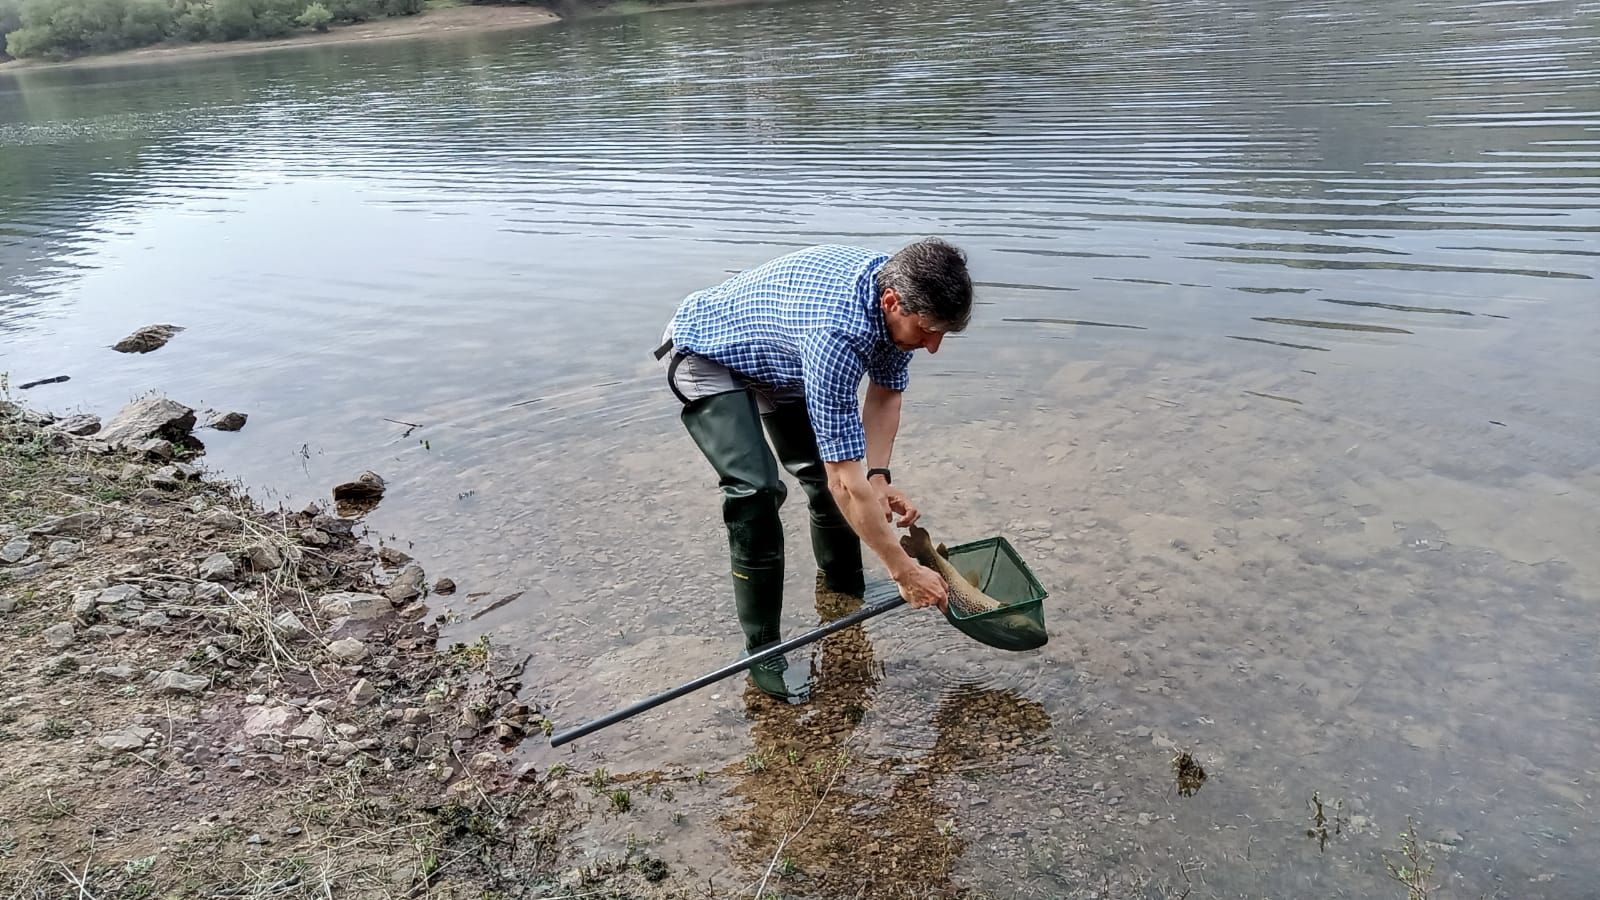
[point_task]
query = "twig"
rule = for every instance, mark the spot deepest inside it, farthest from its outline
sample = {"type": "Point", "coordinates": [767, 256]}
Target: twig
{"type": "Point", "coordinates": [78, 881]}
{"type": "Point", "coordinates": [776, 854]}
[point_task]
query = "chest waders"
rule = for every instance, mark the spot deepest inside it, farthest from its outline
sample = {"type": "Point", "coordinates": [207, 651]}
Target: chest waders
{"type": "Point", "coordinates": [727, 427]}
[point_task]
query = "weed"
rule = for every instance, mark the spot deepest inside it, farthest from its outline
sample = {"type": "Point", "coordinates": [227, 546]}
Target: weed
{"type": "Point", "coordinates": [559, 769]}
{"type": "Point", "coordinates": [58, 729]}
{"type": "Point", "coordinates": [755, 762]}
{"type": "Point", "coordinates": [1409, 864]}
{"type": "Point", "coordinates": [621, 801]}
{"type": "Point", "coordinates": [598, 780]}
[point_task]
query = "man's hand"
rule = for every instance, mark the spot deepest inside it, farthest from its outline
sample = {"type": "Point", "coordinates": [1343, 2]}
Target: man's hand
{"type": "Point", "coordinates": [921, 586]}
{"type": "Point", "coordinates": [895, 503]}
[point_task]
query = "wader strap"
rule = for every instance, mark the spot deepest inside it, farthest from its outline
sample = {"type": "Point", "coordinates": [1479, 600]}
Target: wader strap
{"type": "Point", "coordinates": [664, 349]}
{"type": "Point", "coordinates": [672, 373]}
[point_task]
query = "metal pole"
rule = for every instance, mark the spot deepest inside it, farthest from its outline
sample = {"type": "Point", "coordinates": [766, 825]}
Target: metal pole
{"type": "Point", "coordinates": [628, 712]}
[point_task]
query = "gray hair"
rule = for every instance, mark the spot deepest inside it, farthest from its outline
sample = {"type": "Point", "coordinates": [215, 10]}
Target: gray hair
{"type": "Point", "coordinates": [931, 278]}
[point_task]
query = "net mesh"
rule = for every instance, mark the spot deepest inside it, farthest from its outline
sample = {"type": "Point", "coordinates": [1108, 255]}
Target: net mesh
{"type": "Point", "coordinates": [993, 567]}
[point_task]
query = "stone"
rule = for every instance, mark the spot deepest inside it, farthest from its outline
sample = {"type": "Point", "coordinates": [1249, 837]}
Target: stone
{"type": "Point", "coordinates": [117, 673]}
{"type": "Point", "coordinates": [27, 571]}
{"type": "Point", "coordinates": [351, 604]}
{"type": "Point", "coordinates": [8, 603]}
{"type": "Point", "coordinates": [155, 618]}
{"type": "Point", "coordinates": [60, 637]}
{"type": "Point", "coordinates": [270, 721]}
{"type": "Point", "coordinates": [81, 425]}
{"type": "Point", "coordinates": [217, 567]}
{"type": "Point", "coordinates": [363, 693]}
{"type": "Point", "coordinates": [347, 650]}
{"type": "Point", "coordinates": [63, 551]}
{"type": "Point", "coordinates": [407, 586]}
{"type": "Point", "coordinates": [146, 339]}
{"type": "Point", "coordinates": [147, 418]}
{"type": "Point", "coordinates": [15, 550]}
{"type": "Point", "coordinates": [228, 421]}
{"type": "Point", "coordinates": [220, 518]}
{"type": "Point", "coordinates": [189, 472]}
{"type": "Point", "coordinates": [175, 682]}
{"type": "Point", "coordinates": [264, 557]}
{"type": "Point", "coordinates": [155, 449]}
{"type": "Point", "coordinates": [415, 715]}
{"type": "Point", "coordinates": [128, 740]}
{"type": "Point", "coordinates": [393, 556]}
{"type": "Point", "coordinates": [444, 586]}
{"type": "Point", "coordinates": [314, 728]}
{"type": "Point", "coordinates": [206, 592]}
{"type": "Point", "coordinates": [75, 523]}
{"type": "Point", "coordinates": [358, 496]}
{"type": "Point", "coordinates": [290, 626]}
{"type": "Point", "coordinates": [165, 478]}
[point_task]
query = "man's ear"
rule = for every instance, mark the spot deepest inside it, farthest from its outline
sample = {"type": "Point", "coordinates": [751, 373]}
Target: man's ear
{"type": "Point", "coordinates": [890, 300]}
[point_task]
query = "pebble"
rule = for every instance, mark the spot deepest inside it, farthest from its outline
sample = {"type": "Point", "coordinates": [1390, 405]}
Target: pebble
{"type": "Point", "coordinates": [347, 650]}
{"type": "Point", "coordinates": [175, 682]}
{"type": "Point", "coordinates": [63, 551]}
{"type": "Point", "coordinates": [60, 636]}
{"type": "Point", "coordinates": [363, 693]}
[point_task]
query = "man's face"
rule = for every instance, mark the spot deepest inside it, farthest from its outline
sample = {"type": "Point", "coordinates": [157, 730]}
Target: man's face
{"type": "Point", "coordinates": [907, 330]}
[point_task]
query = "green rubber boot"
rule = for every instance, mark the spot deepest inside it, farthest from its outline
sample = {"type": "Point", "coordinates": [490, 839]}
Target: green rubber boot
{"type": "Point", "coordinates": [727, 429]}
{"type": "Point", "coordinates": [833, 541]}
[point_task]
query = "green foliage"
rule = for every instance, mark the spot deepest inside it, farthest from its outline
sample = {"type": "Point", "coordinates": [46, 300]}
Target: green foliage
{"type": "Point", "coordinates": [315, 16]}
{"type": "Point", "coordinates": [65, 28]}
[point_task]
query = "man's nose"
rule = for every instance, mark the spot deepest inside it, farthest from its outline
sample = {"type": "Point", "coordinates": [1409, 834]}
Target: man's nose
{"type": "Point", "coordinates": [933, 342]}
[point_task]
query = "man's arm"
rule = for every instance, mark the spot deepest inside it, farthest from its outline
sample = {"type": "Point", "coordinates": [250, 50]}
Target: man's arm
{"type": "Point", "coordinates": [862, 507]}
{"type": "Point", "coordinates": [880, 414]}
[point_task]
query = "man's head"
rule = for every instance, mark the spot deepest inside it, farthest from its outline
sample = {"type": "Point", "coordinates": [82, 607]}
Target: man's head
{"type": "Point", "coordinates": [926, 293]}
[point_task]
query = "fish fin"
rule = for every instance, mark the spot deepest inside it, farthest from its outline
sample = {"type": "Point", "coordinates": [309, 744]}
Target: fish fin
{"type": "Point", "coordinates": [942, 551]}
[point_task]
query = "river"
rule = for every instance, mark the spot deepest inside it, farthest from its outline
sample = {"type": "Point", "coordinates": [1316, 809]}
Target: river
{"type": "Point", "coordinates": [1282, 381]}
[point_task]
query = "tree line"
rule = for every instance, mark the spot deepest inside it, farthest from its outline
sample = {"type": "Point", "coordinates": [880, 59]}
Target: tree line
{"type": "Point", "coordinates": [60, 29]}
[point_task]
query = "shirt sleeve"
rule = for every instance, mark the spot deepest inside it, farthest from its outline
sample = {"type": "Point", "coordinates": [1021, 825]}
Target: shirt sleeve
{"type": "Point", "coordinates": [832, 371]}
{"type": "Point", "coordinates": [890, 369]}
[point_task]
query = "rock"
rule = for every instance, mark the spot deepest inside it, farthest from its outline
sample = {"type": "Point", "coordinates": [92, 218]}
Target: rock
{"type": "Point", "coordinates": [149, 417]}
{"type": "Point", "coordinates": [117, 673]}
{"type": "Point", "coordinates": [444, 586]}
{"type": "Point", "coordinates": [175, 682]}
{"type": "Point", "coordinates": [165, 478]}
{"type": "Point", "coordinates": [485, 763]}
{"type": "Point", "coordinates": [363, 693]}
{"type": "Point", "coordinates": [290, 626]}
{"type": "Point", "coordinates": [1450, 838]}
{"type": "Point", "coordinates": [347, 650]}
{"type": "Point", "coordinates": [155, 449]}
{"type": "Point", "coordinates": [15, 550]}
{"type": "Point", "coordinates": [206, 592]}
{"type": "Point", "coordinates": [81, 425]}
{"type": "Point", "coordinates": [217, 567]}
{"type": "Point", "coordinates": [63, 551]}
{"type": "Point", "coordinates": [407, 585]}
{"type": "Point", "coordinates": [103, 632]}
{"type": "Point", "coordinates": [155, 618]}
{"type": "Point", "coordinates": [359, 496]}
{"type": "Point", "coordinates": [393, 557]}
{"type": "Point", "coordinates": [264, 557]}
{"type": "Point", "coordinates": [75, 523]}
{"type": "Point", "coordinates": [352, 605]}
{"type": "Point", "coordinates": [60, 637]}
{"type": "Point", "coordinates": [8, 603]}
{"type": "Point", "coordinates": [270, 721]}
{"type": "Point", "coordinates": [146, 339]}
{"type": "Point", "coordinates": [128, 740]}
{"type": "Point", "coordinates": [228, 421]}
{"type": "Point", "coordinates": [220, 518]}
{"type": "Point", "coordinates": [26, 571]}
{"type": "Point", "coordinates": [313, 728]}
{"type": "Point", "coordinates": [189, 473]}
{"type": "Point", "coordinates": [415, 715]}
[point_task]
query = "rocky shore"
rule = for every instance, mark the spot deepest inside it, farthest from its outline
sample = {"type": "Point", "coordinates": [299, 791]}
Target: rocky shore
{"type": "Point", "coordinates": [209, 699]}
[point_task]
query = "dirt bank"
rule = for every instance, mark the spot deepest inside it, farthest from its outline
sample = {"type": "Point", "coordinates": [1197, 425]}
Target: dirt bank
{"type": "Point", "coordinates": [454, 20]}
{"type": "Point", "coordinates": [204, 698]}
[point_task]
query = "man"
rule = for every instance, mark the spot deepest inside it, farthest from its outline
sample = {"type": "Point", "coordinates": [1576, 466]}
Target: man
{"type": "Point", "coordinates": [786, 345]}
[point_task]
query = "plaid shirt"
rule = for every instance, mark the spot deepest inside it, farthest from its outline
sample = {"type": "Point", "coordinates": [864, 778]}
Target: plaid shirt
{"type": "Point", "coordinates": [808, 319]}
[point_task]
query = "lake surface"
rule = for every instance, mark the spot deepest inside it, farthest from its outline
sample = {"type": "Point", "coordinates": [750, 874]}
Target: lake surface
{"type": "Point", "coordinates": [1284, 382]}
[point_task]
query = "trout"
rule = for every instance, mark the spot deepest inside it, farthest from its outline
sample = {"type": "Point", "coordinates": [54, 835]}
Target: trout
{"type": "Point", "coordinates": [963, 594]}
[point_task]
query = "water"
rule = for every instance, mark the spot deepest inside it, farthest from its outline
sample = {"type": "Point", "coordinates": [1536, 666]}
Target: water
{"type": "Point", "coordinates": [1283, 383]}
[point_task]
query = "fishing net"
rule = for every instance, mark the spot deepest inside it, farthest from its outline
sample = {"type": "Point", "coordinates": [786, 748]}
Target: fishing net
{"type": "Point", "coordinates": [993, 566]}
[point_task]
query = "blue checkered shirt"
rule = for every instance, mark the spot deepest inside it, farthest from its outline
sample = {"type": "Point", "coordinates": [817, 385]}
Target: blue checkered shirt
{"type": "Point", "coordinates": [809, 319]}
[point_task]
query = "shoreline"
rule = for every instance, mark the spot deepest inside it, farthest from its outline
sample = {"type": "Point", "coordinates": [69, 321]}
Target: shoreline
{"type": "Point", "coordinates": [452, 20]}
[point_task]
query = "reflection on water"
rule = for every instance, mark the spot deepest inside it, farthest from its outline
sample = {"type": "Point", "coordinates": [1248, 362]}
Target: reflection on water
{"type": "Point", "coordinates": [1282, 382]}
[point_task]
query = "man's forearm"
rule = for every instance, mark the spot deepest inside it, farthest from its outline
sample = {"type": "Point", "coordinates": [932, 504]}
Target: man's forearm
{"type": "Point", "coordinates": [880, 415]}
{"type": "Point", "coordinates": [859, 503]}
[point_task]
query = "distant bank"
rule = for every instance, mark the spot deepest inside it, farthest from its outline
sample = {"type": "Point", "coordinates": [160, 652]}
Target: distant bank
{"type": "Point", "coordinates": [450, 20]}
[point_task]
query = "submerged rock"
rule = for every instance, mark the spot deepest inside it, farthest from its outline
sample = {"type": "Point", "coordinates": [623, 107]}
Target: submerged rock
{"type": "Point", "coordinates": [146, 339]}
{"type": "Point", "coordinates": [228, 421]}
{"type": "Point", "coordinates": [356, 497]}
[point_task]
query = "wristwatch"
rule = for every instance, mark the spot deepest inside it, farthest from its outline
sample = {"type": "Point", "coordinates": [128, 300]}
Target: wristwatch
{"type": "Point", "coordinates": [880, 471]}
